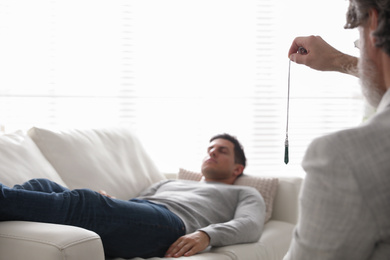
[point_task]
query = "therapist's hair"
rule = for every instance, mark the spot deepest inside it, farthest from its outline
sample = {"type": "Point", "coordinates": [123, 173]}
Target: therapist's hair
{"type": "Point", "coordinates": [358, 13]}
{"type": "Point", "coordinates": [239, 154]}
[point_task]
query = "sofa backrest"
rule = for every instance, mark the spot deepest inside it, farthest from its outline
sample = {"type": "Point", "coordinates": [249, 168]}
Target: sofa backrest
{"type": "Point", "coordinates": [99, 159]}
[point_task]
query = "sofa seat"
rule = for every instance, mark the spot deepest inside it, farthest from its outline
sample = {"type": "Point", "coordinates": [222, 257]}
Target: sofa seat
{"type": "Point", "coordinates": [273, 244]}
{"type": "Point", "coordinates": [51, 241]}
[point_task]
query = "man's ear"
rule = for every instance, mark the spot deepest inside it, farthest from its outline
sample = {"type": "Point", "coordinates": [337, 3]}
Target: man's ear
{"type": "Point", "coordinates": [239, 168]}
{"type": "Point", "coordinates": [372, 24]}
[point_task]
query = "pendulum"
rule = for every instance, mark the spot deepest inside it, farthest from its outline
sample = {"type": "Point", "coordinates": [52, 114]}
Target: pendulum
{"type": "Point", "coordinates": [288, 110]}
{"type": "Point", "coordinates": [301, 51]}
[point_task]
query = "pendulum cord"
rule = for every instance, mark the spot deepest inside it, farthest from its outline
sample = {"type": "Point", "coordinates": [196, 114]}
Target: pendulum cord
{"type": "Point", "coordinates": [288, 110]}
{"type": "Point", "coordinates": [301, 51]}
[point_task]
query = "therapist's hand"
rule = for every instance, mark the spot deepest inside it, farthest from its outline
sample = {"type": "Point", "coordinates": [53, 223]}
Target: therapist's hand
{"type": "Point", "coordinates": [322, 56]}
{"type": "Point", "coordinates": [189, 244]}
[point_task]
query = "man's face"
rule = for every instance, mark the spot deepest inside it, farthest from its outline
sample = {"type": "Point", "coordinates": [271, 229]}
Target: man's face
{"type": "Point", "coordinates": [219, 164]}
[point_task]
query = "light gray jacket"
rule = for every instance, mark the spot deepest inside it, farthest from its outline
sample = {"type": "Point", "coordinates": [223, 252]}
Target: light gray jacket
{"type": "Point", "coordinates": [345, 200]}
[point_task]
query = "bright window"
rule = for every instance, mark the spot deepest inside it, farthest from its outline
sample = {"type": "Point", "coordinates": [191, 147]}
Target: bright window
{"type": "Point", "coordinates": [177, 72]}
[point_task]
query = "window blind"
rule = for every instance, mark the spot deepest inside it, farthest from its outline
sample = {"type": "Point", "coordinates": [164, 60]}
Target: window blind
{"type": "Point", "coordinates": [64, 63]}
{"type": "Point", "coordinates": [176, 72]}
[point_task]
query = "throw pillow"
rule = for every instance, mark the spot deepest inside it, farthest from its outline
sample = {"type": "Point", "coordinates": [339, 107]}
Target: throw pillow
{"type": "Point", "coordinates": [21, 160]}
{"type": "Point", "coordinates": [266, 186]}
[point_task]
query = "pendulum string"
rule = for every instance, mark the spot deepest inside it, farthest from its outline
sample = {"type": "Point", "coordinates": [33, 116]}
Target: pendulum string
{"type": "Point", "coordinates": [301, 51]}
{"type": "Point", "coordinates": [286, 156]}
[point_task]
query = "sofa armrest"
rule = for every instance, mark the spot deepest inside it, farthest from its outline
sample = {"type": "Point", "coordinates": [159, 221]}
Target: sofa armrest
{"type": "Point", "coordinates": [21, 240]}
{"type": "Point", "coordinates": [285, 207]}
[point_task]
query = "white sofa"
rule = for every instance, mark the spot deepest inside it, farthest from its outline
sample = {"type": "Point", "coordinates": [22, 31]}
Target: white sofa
{"type": "Point", "coordinates": [115, 161]}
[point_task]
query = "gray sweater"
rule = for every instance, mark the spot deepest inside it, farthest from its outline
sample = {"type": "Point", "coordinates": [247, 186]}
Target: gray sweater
{"type": "Point", "coordinates": [229, 214]}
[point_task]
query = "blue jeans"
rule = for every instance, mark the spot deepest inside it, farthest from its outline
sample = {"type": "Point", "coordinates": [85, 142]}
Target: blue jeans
{"type": "Point", "coordinates": [127, 228]}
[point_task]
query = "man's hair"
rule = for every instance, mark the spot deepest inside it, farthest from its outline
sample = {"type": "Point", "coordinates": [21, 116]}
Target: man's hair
{"type": "Point", "coordinates": [358, 12]}
{"type": "Point", "coordinates": [239, 155]}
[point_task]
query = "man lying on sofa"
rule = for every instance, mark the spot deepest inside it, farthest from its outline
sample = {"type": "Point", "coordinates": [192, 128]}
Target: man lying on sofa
{"type": "Point", "coordinates": [172, 218]}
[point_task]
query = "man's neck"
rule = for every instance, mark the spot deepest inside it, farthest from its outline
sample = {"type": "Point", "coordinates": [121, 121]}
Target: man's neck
{"type": "Point", "coordinates": [229, 181]}
{"type": "Point", "coordinates": [386, 69]}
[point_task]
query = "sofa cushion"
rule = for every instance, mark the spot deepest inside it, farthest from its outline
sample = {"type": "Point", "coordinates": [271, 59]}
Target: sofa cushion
{"type": "Point", "coordinates": [99, 159]}
{"type": "Point", "coordinates": [273, 244]}
{"type": "Point", "coordinates": [266, 186]}
{"type": "Point", "coordinates": [21, 160]}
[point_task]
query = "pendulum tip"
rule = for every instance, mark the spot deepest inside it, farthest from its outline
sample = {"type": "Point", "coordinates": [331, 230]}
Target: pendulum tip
{"type": "Point", "coordinates": [286, 154]}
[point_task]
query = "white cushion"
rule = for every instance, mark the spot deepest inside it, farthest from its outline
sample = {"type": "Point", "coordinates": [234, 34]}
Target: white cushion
{"type": "Point", "coordinates": [21, 160]}
{"type": "Point", "coordinates": [99, 159]}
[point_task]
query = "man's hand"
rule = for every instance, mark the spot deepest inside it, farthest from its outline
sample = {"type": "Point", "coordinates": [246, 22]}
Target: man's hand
{"type": "Point", "coordinates": [189, 245]}
{"type": "Point", "coordinates": [104, 193]}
